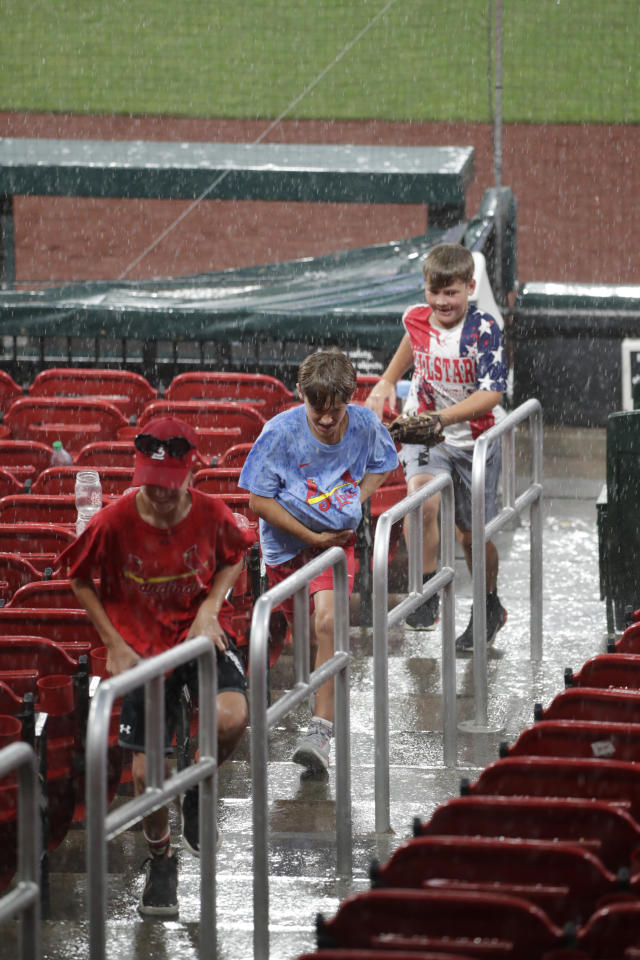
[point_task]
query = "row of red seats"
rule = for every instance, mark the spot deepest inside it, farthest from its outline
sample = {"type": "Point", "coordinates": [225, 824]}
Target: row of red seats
{"type": "Point", "coordinates": [538, 859]}
{"type": "Point", "coordinates": [81, 405]}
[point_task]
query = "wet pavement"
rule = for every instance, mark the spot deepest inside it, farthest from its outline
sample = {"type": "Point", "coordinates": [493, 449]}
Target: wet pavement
{"type": "Point", "coordinates": [302, 851]}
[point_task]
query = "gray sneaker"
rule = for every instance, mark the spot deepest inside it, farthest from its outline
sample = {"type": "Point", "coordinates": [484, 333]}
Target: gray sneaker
{"type": "Point", "coordinates": [313, 750]}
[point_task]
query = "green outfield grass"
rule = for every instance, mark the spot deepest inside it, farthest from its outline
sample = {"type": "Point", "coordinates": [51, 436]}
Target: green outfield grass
{"type": "Point", "coordinates": [421, 60]}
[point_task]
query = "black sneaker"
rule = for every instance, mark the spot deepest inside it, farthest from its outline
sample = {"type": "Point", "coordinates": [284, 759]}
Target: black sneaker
{"type": "Point", "coordinates": [496, 619]}
{"type": "Point", "coordinates": [191, 823]}
{"type": "Point", "coordinates": [426, 616]}
{"type": "Point", "coordinates": [160, 895]}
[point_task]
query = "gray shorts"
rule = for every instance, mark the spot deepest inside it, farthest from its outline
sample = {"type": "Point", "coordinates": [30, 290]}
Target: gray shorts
{"type": "Point", "coordinates": [457, 462]}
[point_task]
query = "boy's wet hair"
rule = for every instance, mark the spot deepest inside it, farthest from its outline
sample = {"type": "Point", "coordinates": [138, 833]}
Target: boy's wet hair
{"type": "Point", "coordinates": [327, 377]}
{"type": "Point", "coordinates": [446, 264]}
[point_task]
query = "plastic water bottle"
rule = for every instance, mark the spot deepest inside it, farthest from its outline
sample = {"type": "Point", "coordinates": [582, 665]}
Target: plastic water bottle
{"type": "Point", "coordinates": [88, 497]}
{"type": "Point", "coordinates": [60, 457]}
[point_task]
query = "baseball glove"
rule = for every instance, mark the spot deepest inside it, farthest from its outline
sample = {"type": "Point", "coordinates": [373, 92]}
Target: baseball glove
{"type": "Point", "coordinates": [424, 428]}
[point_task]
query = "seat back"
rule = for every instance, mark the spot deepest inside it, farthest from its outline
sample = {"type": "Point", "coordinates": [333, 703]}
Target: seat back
{"type": "Point", "coordinates": [57, 481]}
{"type": "Point", "coordinates": [235, 456]}
{"type": "Point", "coordinates": [561, 878]}
{"type": "Point", "coordinates": [578, 738]}
{"type": "Point", "coordinates": [217, 480]}
{"type": "Point", "coordinates": [45, 593]}
{"type": "Point", "coordinates": [618, 670]}
{"type": "Point", "coordinates": [106, 453]}
{"type": "Point", "coordinates": [74, 420]}
{"type": "Point", "coordinates": [33, 508]}
{"type": "Point", "coordinates": [501, 925]}
{"type": "Point", "coordinates": [610, 930]}
{"type": "Point", "coordinates": [613, 780]}
{"type": "Point", "coordinates": [39, 543]}
{"type": "Point", "coordinates": [25, 459]}
{"type": "Point", "coordinates": [69, 628]}
{"type": "Point", "coordinates": [605, 828]}
{"type": "Point", "coordinates": [15, 572]}
{"type": "Point", "coordinates": [267, 394]}
{"type": "Point", "coordinates": [593, 703]}
{"type": "Point", "coordinates": [208, 414]}
{"type": "Point", "coordinates": [9, 390]}
{"type": "Point", "coordinates": [9, 483]}
{"type": "Point", "coordinates": [125, 389]}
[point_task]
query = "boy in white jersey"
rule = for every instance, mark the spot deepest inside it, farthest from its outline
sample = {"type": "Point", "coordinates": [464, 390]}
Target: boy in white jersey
{"type": "Point", "coordinates": [460, 372]}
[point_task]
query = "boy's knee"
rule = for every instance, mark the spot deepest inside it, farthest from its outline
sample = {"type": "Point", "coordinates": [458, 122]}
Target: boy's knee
{"type": "Point", "coordinates": [232, 715]}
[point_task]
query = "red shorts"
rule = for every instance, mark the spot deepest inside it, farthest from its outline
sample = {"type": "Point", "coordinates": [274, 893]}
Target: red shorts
{"type": "Point", "coordinates": [323, 581]}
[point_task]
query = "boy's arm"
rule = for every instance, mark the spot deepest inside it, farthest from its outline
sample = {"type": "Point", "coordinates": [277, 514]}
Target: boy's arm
{"type": "Point", "coordinates": [120, 655]}
{"type": "Point", "coordinates": [476, 405]}
{"type": "Point", "coordinates": [370, 483]}
{"type": "Point", "coordinates": [206, 619]}
{"type": "Point", "coordinates": [385, 389]}
{"type": "Point", "coordinates": [274, 513]}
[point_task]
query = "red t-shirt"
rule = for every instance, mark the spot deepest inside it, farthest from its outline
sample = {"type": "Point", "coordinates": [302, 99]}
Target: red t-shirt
{"type": "Point", "coordinates": [153, 580]}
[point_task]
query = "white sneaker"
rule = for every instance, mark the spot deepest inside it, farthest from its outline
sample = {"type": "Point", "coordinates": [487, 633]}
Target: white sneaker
{"type": "Point", "coordinates": [314, 749]}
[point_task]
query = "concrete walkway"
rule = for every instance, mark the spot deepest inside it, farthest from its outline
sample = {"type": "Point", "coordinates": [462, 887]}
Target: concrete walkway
{"type": "Point", "coordinates": [302, 839]}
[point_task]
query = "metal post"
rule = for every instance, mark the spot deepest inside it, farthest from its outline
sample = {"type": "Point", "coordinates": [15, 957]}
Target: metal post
{"type": "Point", "coordinates": [411, 507]}
{"type": "Point", "coordinates": [102, 826]}
{"type": "Point", "coordinates": [529, 410]}
{"type": "Point", "coordinates": [24, 898]}
{"type": "Point", "coordinates": [262, 718]}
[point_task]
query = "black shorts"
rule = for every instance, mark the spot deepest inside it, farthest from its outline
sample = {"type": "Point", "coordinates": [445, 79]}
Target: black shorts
{"type": "Point", "coordinates": [231, 677]}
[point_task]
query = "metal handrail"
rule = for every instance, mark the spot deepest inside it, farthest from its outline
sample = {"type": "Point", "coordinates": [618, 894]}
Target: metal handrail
{"type": "Point", "coordinates": [383, 618]}
{"type": "Point", "coordinates": [530, 410]}
{"type": "Point", "coordinates": [25, 896]}
{"type": "Point", "coordinates": [262, 719]}
{"type": "Point", "coordinates": [102, 826]}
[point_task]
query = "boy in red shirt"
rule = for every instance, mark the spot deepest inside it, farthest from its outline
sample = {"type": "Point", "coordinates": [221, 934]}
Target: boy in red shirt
{"type": "Point", "coordinates": [165, 556]}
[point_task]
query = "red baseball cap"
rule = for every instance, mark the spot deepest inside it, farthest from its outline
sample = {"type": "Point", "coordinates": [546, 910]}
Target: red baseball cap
{"type": "Point", "coordinates": [165, 452]}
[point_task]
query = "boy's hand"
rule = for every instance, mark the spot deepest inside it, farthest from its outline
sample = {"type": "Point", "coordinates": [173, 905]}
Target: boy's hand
{"type": "Point", "coordinates": [384, 393]}
{"type": "Point", "coordinates": [333, 538]}
{"type": "Point", "coordinates": [121, 657]}
{"type": "Point", "coordinates": [207, 624]}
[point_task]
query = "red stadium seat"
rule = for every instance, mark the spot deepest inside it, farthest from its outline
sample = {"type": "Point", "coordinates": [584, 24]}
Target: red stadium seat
{"type": "Point", "coordinates": [106, 453]}
{"type": "Point", "coordinates": [610, 931]}
{"type": "Point", "coordinates": [487, 925]}
{"type": "Point", "coordinates": [204, 415]}
{"type": "Point", "coordinates": [32, 508]}
{"type": "Point", "coordinates": [39, 543]}
{"type": "Point", "coordinates": [56, 481]}
{"type": "Point", "coordinates": [15, 572]}
{"type": "Point", "coordinates": [217, 480]}
{"type": "Point", "coordinates": [612, 780]}
{"type": "Point", "coordinates": [629, 642]}
{"type": "Point", "coordinates": [565, 881]}
{"type": "Point", "coordinates": [70, 629]}
{"type": "Point", "coordinates": [45, 593]}
{"type": "Point", "coordinates": [267, 394]}
{"type": "Point", "coordinates": [125, 389]}
{"type": "Point", "coordinates": [619, 670]}
{"type": "Point", "coordinates": [9, 483]}
{"type": "Point", "coordinates": [592, 703]}
{"type": "Point", "coordinates": [9, 390]}
{"type": "Point", "coordinates": [605, 828]}
{"type": "Point", "coordinates": [25, 459]}
{"type": "Point", "coordinates": [362, 953]}
{"type": "Point", "coordinates": [74, 420]}
{"type": "Point", "coordinates": [578, 738]}
{"type": "Point", "coordinates": [235, 456]}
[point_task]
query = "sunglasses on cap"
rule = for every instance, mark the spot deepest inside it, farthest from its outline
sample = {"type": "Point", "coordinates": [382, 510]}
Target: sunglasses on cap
{"type": "Point", "coordinates": [176, 447]}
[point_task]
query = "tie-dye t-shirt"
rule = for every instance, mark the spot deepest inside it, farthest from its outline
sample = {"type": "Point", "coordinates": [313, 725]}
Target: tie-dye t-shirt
{"type": "Point", "coordinates": [316, 482]}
